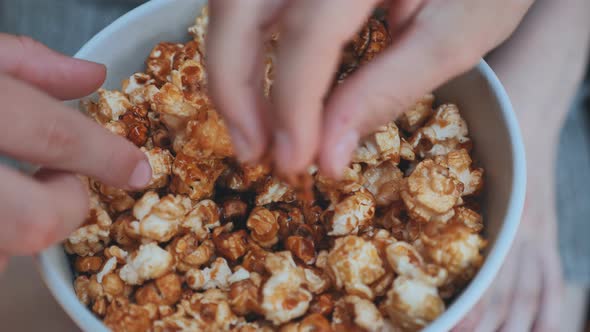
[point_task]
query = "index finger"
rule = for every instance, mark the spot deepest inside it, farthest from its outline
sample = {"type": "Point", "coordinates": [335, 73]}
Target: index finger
{"type": "Point", "coordinates": [41, 130]}
{"type": "Point", "coordinates": [313, 34]}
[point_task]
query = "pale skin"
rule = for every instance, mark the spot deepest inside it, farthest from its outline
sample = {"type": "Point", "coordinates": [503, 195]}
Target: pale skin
{"type": "Point", "coordinates": [526, 295]}
{"type": "Point", "coordinates": [36, 127]}
{"type": "Point", "coordinates": [441, 38]}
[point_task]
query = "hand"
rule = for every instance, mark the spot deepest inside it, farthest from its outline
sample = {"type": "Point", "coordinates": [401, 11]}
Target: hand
{"type": "Point", "coordinates": [527, 291]}
{"type": "Point", "coordinates": [433, 42]}
{"type": "Point", "coordinates": [36, 127]}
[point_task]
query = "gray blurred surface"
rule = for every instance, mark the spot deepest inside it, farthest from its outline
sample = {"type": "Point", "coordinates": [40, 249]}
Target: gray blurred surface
{"type": "Point", "coordinates": [573, 190]}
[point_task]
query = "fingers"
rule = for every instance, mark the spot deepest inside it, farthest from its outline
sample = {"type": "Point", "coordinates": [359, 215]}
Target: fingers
{"type": "Point", "coordinates": [401, 13]}
{"type": "Point", "coordinates": [498, 297]}
{"type": "Point", "coordinates": [234, 46]}
{"type": "Point", "coordinates": [36, 214]}
{"type": "Point", "coordinates": [308, 55]}
{"type": "Point", "coordinates": [59, 75]}
{"type": "Point", "coordinates": [416, 64]}
{"type": "Point", "coordinates": [470, 322]}
{"type": "Point", "coordinates": [40, 130]}
{"type": "Point", "coordinates": [527, 293]}
{"type": "Point", "coordinates": [548, 318]}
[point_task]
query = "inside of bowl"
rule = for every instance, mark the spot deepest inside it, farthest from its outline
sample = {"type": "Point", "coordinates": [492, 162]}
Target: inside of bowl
{"type": "Point", "coordinates": [493, 149]}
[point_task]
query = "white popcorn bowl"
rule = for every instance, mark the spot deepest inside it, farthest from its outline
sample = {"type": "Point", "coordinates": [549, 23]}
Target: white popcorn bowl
{"type": "Point", "coordinates": [124, 45]}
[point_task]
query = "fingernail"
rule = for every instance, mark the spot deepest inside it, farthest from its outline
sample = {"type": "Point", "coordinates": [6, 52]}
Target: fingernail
{"type": "Point", "coordinates": [242, 149]}
{"type": "Point", "coordinates": [342, 152]}
{"type": "Point", "coordinates": [141, 176]}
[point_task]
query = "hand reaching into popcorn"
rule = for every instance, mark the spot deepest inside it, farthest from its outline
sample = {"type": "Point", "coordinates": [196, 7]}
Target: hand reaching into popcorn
{"type": "Point", "coordinates": [36, 127]}
{"type": "Point", "coordinates": [431, 41]}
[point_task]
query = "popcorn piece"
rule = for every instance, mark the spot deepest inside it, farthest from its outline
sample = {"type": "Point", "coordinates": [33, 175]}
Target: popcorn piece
{"type": "Point", "coordinates": [414, 117]}
{"type": "Point", "coordinates": [406, 151]}
{"type": "Point", "coordinates": [165, 290]}
{"type": "Point", "coordinates": [244, 297]}
{"type": "Point", "coordinates": [352, 310]}
{"type": "Point", "coordinates": [193, 177]}
{"type": "Point", "coordinates": [161, 162]}
{"type": "Point", "coordinates": [92, 237]}
{"type": "Point", "coordinates": [205, 136]}
{"type": "Point", "coordinates": [88, 264]}
{"type": "Point", "coordinates": [355, 264]}
{"type": "Point", "coordinates": [313, 322]}
{"type": "Point", "coordinates": [352, 214]}
{"type": "Point", "coordinates": [384, 144]}
{"type": "Point", "coordinates": [231, 245]}
{"type": "Point", "coordinates": [459, 164]}
{"type": "Point", "coordinates": [97, 295]}
{"type": "Point", "coordinates": [302, 248]}
{"type": "Point", "coordinates": [191, 78]}
{"type": "Point", "coordinates": [136, 124]}
{"type": "Point", "coordinates": [273, 190]}
{"type": "Point", "coordinates": [234, 209]}
{"type": "Point", "coordinates": [384, 182]}
{"type": "Point", "coordinates": [372, 40]}
{"type": "Point", "coordinates": [263, 227]}
{"type": "Point", "coordinates": [190, 52]}
{"type": "Point", "coordinates": [216, 276]}
{"type": "Point", "coordinates": [116, 127]}
{"type": "Point", "coordinates": [118, 200]}
{"type": "Point", "coordinates": [455, 248]}
{"type": "Point", "coordinates": [445, 132]}
{"type": "Point", "coordinates": [431, 193]}
{"type": "Point", "coordinates": [124, 316]}
{"type": "Point", "coordinates": [351, 181]}
{"type": "Point", "coordinates": [242, 177]}
{"type": "Point", "coordinates": [159, 219]}
{"type": "Point", "coordinates": [159, 62]}
{"type": "Point", "coordinates": [412, 303]}
{"type": "Point", "coordinates": [269, 71]}
{"type": "Point", "coordinates": [283, 297]}
{"type": "Point", "coordinates": [202, 219]}
{"type": "Point", "coordinates": [316, 281]}
{"type": "Point", "coordinates": [115, 252]}
{"type": "Point", "coordinates": [469, 219]}
{"type": "Point", "coordinates": [189, 254]}
{"type": "Point", "coordinates": [140, 89]}
{"type": "Point", "coordinates": [149, 262]}
{"type": "Point", "coordinates": [208, 311]}
{"type": "Point", "coordinates": [174, 110]}
{"type": "Point", "coordinates": [111, 105]}
{"type": "Point", "coordinates": [406, 261]}
{"type": "Point", "coordinates": [125, 231]}
{"type": "Point", "coordinates": [323, 305]}
{"type": "Point", "coordinates": [199, 30]}
{"type": "Point", "coordinates": [109, 266]}
{"type": "Point", "coordinates": [254, 259]}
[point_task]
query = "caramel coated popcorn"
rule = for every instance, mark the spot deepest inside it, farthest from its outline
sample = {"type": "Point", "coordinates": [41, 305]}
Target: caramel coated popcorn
{"type": "Point", "coordinates": [213, 244]}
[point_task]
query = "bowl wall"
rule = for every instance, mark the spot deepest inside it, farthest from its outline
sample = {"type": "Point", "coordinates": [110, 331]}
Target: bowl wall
{"type": "Point", "coordinates": [124, 45]}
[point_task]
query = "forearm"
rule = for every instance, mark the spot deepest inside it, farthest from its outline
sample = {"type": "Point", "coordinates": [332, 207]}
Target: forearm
{"type": "Point", "coordinates": [541, 66]}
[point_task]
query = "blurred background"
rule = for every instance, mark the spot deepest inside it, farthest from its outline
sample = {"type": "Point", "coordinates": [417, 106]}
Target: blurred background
{"type": "Point", "coordinates": [65, 25]}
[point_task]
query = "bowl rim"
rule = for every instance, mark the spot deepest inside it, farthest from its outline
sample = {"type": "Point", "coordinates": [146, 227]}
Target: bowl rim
{"type": "Point", "coordinates": [63, 292]}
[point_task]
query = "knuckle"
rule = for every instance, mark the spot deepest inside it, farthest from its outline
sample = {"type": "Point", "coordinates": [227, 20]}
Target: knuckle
{"type": "Point", "coordinates": [27, 46]}
{"type": "Point", "coordinates": [57, 141]}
